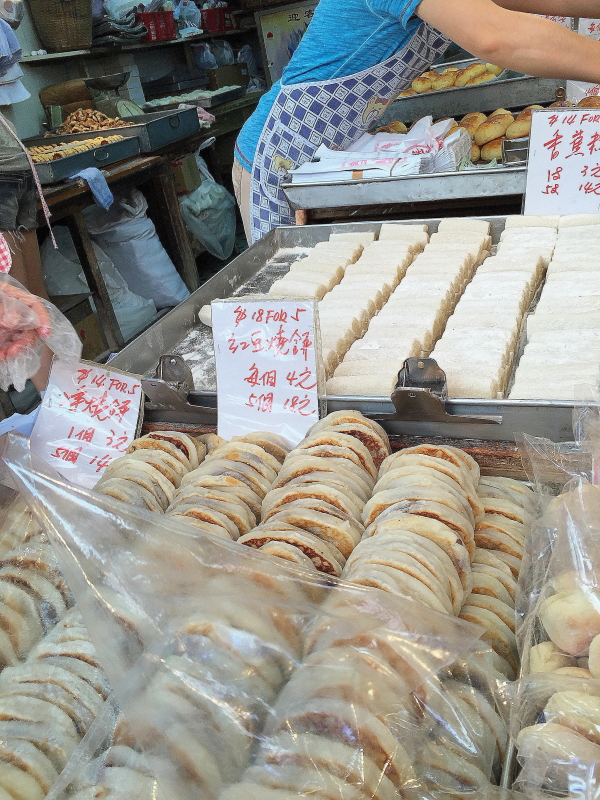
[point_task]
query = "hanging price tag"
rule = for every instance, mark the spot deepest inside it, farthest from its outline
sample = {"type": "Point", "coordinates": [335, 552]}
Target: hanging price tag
{"type": "Point", "coordinates": [89, 417]}
{"type": "Point", "coordinates": [563, 170]}
{"type": "Point", "coordinates": [269, 372]}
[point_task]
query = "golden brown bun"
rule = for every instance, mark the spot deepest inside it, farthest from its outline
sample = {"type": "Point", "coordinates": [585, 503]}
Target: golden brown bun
{"type": "Point", "coordinates": [589, 102]}
{"type": "Point", "coordinates": [474, 118]}
{"type": "Point", "coordinates": [407, 93]}
{"type": "Point", "coordinates": [483, 78]}
{"type": "Point", "coordinates": [450, 70]}
{"type": "Point", "coordinates": [432, 74]}
{"type": "Point", "coordinates": [443, 82]}
{"type": "Point", "coordinates": [475, 153]}
{"type": "Point", "coordinates": [561, 104]}
{"type": "Point", "coordinates": [519, 128]}
{"type": "Point", "coordinates": [470, 128]}
{"type": "Point", "coordinates": [492, 150]}
{"type": "Point", "coordinates": [494, 68]}
{"type": "Point", "coordinates": [495, 126]}
{"type": "Point", "coordinates": [392, 127]}
{"type": "Point", "coordinates": [500, 111]}
{"type": "Point", "coordinates": [465, 75]}
{"type": "Point", "coordinates": [421, 85]}
{"type": "Point", "coordinates": [454, 127]}
{"type": "Point", "coordinates": [530, 108]}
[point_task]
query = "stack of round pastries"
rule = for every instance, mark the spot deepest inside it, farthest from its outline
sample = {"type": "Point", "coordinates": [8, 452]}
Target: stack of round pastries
{"type": "Point", "coordinates": [152, 469]}
{"type": "Point", "coordinates": [223, 496]}
{"type": "Point", "coordinates": [312, 515]}
{"type": "Point", "coordinates": [451, 78]}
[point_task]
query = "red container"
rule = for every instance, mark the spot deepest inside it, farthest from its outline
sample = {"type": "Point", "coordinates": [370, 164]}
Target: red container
{"type": "Point", "coordinates": [218, 20]}
{"type": "Point", "coordinates": [159, 24]}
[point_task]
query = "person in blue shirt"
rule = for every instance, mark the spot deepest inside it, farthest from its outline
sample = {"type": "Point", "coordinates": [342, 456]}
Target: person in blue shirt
{"type": "Point", "coordinates": [357, 55]}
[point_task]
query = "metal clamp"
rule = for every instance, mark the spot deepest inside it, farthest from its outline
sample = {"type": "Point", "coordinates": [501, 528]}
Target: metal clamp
{"type": "Point", "coordinates": [420, 396]}
{"type": "Point", "coordinates": [168, 391]}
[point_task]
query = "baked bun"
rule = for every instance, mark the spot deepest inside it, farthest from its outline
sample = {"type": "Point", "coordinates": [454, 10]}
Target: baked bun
{"type": "Point", "coordinates": [443, 82]}
{"type": "Point", "coordinates": [492, 150]}
{"type": "Point", "coordinates": [520, 127]}
{"type": "Point", "coordinates": [475, 117]}
{"type": "Point", "coordinates": [496, 70]}
{"type": "Point", "coordinates": [500, 111]}
{"type": "Point", "coordinates": [589, 102]}
{"type": "Point", "coordinates": [407, 93]}
{"type": "Point", "coordinates": [495, 127]}
{"type": "Point", "coordinates": [483, 78]}
{"type": "Point", "coordinates": [452, 130]}
{"type": "Point", "coordinates": [392, 127]}
{"type": "Point", "coordinates": [421, 85]}
{"type": "Point", "coordinates": [472, 71]}
{"type": "Point", "coordinates": [432, 74]}
{"type": "Point", "coordinates": [475, 152]}
{"type": "Point", "coordinates": [561, 104]}
{"type": "Point", "coordinates": [531, 108]}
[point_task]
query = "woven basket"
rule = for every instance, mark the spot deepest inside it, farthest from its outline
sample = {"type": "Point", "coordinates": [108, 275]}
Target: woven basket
{"type": "Point", "coordinates": [63, 24]}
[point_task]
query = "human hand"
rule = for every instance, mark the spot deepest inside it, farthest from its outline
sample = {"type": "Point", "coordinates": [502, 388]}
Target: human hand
{"type": "Point", "coordinates": [23, 320]}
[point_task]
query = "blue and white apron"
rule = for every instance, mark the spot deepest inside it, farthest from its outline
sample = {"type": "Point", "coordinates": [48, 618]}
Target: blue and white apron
{"type": "Point", "coordinates": [332, 112]}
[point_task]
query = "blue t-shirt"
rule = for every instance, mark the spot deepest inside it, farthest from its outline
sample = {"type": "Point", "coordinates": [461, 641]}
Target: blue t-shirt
{"type": "Point", "coordinates": [373, 31]}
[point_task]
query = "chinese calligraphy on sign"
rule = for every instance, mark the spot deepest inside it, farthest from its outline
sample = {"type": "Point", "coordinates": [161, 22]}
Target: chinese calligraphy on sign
{"type": "Point", "coordinates": [88, 418]}
{"type": "Point", "coordinates": [266, 366]}
{"type": "Point", "coordinates": [563, 174]}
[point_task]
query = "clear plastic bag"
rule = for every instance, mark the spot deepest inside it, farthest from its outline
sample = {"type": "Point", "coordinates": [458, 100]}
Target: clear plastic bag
{"type": "Point", "coordinates": [209, 213]}
{"type": "Point", "coordinates": [203, 56]}
{"type": "Point", "coordinates": [246, 56]}
{"type": "Point", "coordinates": [238, 673]}
{"type": "Point", "coordinates": [223, 53]}
{"type": "Point", "coordinates": [26, 324]}
{"type": "Point", "coordinates": [12, 11]}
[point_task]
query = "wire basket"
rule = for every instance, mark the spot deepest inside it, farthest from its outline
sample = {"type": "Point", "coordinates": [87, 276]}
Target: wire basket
{"type": "Point", "coordinates": [63, 24]}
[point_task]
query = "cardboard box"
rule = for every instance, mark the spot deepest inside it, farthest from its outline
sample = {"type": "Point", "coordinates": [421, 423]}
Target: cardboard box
{"type": "Point", "coordinates": [186, 174]}
{"type": "Point", "coordinates": [77, 309]}
{"type": "Point", "coordinates": [234, 75]}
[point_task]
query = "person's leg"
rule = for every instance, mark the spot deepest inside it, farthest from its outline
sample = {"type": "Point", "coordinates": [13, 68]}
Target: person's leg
{"type": "Point", "coordinates": [241, 187]}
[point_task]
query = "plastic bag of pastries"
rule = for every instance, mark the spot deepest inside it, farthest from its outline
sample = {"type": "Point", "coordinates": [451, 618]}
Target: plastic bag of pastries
{"type": "Point", "coordinates": [199, 637]}
{"type": "Point", "coordinates": [555, 723]}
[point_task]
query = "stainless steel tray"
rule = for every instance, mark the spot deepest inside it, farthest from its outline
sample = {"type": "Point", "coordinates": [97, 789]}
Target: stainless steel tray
{"type": "Point", "coordinates": [499, 182]}
{"type": "Point", "coordinates": [153, 130]}
{"type": "Point", "coordinates": [55, 171]}
{"type": "Point", "coordinates": [208, 102]}
{"type": "Point", "coordinates": [513, 91]}
{"type": "Point", "coordinates": [255, 270]}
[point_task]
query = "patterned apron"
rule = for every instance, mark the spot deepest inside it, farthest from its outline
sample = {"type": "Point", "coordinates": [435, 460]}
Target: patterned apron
{"type": "Point", "coordinates": [331, 112]}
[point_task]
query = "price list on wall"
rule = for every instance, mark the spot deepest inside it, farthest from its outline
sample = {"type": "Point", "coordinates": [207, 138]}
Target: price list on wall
{"type": "Point", "coordinates": [563, 172]}
{"type": "Point", "coordinates": [266, 360]}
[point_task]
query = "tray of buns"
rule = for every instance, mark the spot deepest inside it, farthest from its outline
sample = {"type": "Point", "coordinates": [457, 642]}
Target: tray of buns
{"type": "Point", "coordinates": [509, 89]}
{"type": "Point", "coordinates": [495, 301]}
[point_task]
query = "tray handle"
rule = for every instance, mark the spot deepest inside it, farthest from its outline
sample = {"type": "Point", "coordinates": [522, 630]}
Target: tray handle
{"type": "Point", "coordinates": [101, 155]}
{"type": "Point", "coordinates": [175, 121]}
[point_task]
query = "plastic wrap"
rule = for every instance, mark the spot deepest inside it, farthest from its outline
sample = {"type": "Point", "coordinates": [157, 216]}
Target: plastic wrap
{"type": "Point", "coordinates": [240, 675]}
{"type": "Point", "coordinates": [26, 323]}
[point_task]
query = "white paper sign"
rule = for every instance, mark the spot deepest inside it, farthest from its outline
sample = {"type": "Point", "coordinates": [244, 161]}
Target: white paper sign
{"type": "Point", "coordinates": [89, 417]}
{"type": "Point", "coordinates": [589, 27]}
{"type": "Point", "coordinates": [578, 90]}
{"type": "Point", "coordinates": [563, 172]}
{"type": "Point", "coordinates": [268, 374]}
{"type": "Point", "coordinates": [565, 21]}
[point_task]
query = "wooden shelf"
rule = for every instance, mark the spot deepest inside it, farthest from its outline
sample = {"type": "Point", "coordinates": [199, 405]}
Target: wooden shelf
{"type": "Point", "coordinates": [101, 52]}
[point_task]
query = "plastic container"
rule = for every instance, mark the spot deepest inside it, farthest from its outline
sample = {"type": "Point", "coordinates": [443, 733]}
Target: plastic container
{"type": "Point", "coordinates": [219, 20]}
{"type": "Point", "coordinates": [159, 24]}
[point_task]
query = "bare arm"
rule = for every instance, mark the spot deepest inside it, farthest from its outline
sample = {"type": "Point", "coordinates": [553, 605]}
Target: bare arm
{"type": "Point", "coordinates": [515, 40]}
{"type": "Point", "coordinates": [565, 8]}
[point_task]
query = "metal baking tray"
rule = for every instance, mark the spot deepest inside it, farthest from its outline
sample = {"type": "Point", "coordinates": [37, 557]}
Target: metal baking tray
{"type": "Point", "coordinates": [486, 182]}
{"type": "Point", "coordinates": [207, 102]}
{"type": "Point", "coordinates": [152, 130]}
{"type": "Point", "coordinates": [254, 271]}
{"type": "Point", "coordinates": [513, 91]}
{"type": "Point", "coordinates": [55, 171]}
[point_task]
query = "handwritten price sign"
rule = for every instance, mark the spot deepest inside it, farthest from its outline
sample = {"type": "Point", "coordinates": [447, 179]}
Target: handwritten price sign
{"type": "Point", "coordinates": [268, 373]}
{"type": "Point", "coordinates": [88, 418]}
{"type": "Point", "coordinates": [563, 173]}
